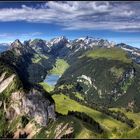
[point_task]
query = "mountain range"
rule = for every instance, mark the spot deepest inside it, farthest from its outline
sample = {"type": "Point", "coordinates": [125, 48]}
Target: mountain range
{"type": "Point", "coordinates": [98, 89]}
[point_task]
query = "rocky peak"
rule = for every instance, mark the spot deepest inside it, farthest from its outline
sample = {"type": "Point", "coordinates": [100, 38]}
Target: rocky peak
{"type": "Point", "coordinates": [59, 40]}
{"type": "Point", "coordinates": [16, 43]}
{"type": "Point", "coordinates": [39, 45]}
{"type": "Point", "coordinates": [35, 41]}
{"type": "Point", "coordinates": [133, 52]}
{"type": "Point", "coordinates": [121, 44]}
{"type": "Point", "coordinates": [17, 46]}
{"type": "Point", "coordinates": [106, 43]}
{"type": "Point", "coordinates": [127, 47]}
{"type": "Point", "coordinates": [27, 42]}
{"type": "Point", "coordinates": [93, 41]}
{"type": "Point", "coordinates": [63, 37]}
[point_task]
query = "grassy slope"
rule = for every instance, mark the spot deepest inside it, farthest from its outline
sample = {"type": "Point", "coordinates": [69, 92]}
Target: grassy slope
{"type": "Point", "coordinates": [117, 72]}
{"type": "Point", "coordinates": [37, 58]}
{"type": "Point", "coordinates": [47, 87]}
{"type": "Point", "coordinates": [110, 54]}
{"type": "Point", "coordinates": [134, 133]}
{"type": "Point", "coordinates": [78, 95]}
{"type": "Point", "coordinates": [81, 130]}
{"type": "Point", "coordinates": [60, 66]}
{"type": "Point", "coordinates": [107, 75]}
{"type": "Point", "coordinates": [64, 103]}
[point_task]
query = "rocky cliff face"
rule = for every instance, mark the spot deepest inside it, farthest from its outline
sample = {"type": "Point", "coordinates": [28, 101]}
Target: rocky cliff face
{"type": "Point", "coordinates": [18, 101]}
{"type": "Point", "coordinates": [20, 49]}
{"type": "Point", "coordinates": [33, 104]}
{"type": "Point", "coordinates": [133, 52]}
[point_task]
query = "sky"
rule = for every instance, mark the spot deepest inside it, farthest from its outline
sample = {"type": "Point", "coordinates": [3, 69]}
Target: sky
{"type": "Point", "coordinates": [115, 21]}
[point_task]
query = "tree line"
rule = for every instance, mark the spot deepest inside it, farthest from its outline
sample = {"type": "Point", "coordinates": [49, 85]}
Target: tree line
{"type": "Point", "coordinates": [118, 115]}
{"type": "Point", "coordinates": [87, 119]}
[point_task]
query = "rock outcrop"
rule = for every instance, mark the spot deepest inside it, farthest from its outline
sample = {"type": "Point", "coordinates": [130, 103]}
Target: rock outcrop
{"type": "Point", "coordinates": [17, 101]}
{"type": "Point", "coordinates": [33, 104]}
{"type": "Point", "coordinates": [5, 83]}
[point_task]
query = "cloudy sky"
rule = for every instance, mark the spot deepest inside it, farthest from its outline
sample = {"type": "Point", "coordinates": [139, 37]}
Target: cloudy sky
{"type": "Point", "coordinates": [115, 21]}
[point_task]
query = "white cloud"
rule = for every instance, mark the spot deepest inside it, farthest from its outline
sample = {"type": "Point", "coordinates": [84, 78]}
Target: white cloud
{"type": "Point", "coordinates": [19, 35]}
{"type": "Point", "coordinates": [74, 15]}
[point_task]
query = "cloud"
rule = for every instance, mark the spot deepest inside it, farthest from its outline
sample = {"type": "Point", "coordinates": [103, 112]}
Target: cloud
{"type": "Point", "coordinates": [75, 15]}
{"type": "Point", "coordinates": [9, 36]}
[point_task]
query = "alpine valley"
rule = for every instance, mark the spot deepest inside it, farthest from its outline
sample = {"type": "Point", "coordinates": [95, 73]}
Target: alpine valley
{"type": "Point", "coordinates": [82, 88]}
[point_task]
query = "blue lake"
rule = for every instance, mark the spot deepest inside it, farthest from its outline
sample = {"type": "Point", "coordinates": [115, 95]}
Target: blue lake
{"type": "Point", "coordinates": [52, 79]}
